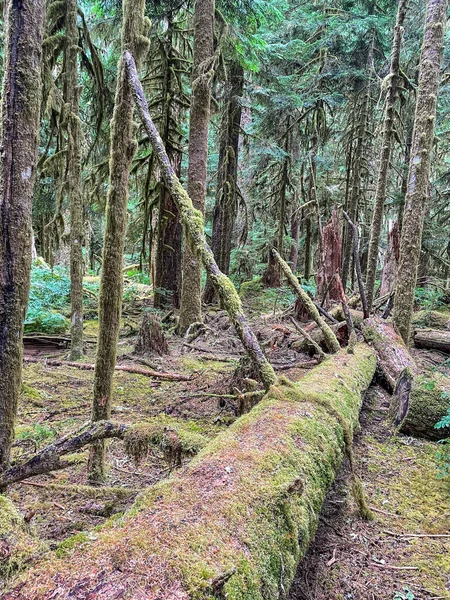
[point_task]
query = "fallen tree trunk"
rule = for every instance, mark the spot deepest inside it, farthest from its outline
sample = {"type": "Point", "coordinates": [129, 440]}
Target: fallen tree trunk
{"type": "Point", "coordinates": [127, 368]}
{"type": "Point", "coordinates": [316, 334]}
{"type": "Point", "coordinates": [419, 400]}
{"type": "Point", "coordinates": [238, 519]}
{"type": "Point", "coordinates": [328, 334]}
{"type": "Point", "coordinates": [432, 339]}
{"type": "Point", "coordinates": [49, 459]}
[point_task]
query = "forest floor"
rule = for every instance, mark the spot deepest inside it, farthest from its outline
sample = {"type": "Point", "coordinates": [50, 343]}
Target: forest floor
{"type": "Point", "coordinates": [350, 559]}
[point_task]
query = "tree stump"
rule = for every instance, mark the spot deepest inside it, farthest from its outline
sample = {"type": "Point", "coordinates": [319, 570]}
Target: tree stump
{"type": "Point", "coordinates": [151, 337]}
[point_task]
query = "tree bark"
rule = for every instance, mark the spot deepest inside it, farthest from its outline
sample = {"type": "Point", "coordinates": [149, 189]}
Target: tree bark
{"type": "Point", "coordinates": [21, 99]}
{"type": "Point", "coordinates": [418, 400]}
{"type": "Point", "coordinates": [236, 522]}
{"type": "Point", "coordinates": [419, 165]}
{"type": "Point", "coordinates": [74, 180]}
{"type": "Point", "coordinates": [329, 335]}
{"type": "Point", "coordinates": [390, 266]}
{"type": "Point", "coordinates": [123, 146]}
{"type": "Point", "coordinates": [226, 198]}
{"type": "Point", "coordinates": [192, 221]}
{"type": "Point", "coordinates": [330, 262]}
{"type": "Point", "coordinates": [191, 298]}
{"type": "Point", "coordinates": [169, 234]}
{"type": "Point", "coordinates": [386, 145]}
{"type": "Point", "coordinates": [432, 339]}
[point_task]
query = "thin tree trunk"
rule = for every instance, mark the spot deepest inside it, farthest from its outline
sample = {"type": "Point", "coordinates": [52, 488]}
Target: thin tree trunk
{"type": "Point", "coordinates": [358, 155]}
{"type": "Point", "coordinates": [74, 180]}
{"type": "Point", "coordinates": [192, 221]}
{"type": "Point", "coordinates": [295, 234]}
{"type": "Point", "coordinates": [191, 300]}
{"type": "Point", "coordinates": [386, 145]}
{"type": "Point", "coordinates": [168, 249]}
{"type": "Point", "coordinates": [123, 146]}
{"type": "Point", "coordinates": [21, 99]}
{"type": "Point", "coordinates": [225, 207]}
{"type": "Point", "coordinates": [419, 165]}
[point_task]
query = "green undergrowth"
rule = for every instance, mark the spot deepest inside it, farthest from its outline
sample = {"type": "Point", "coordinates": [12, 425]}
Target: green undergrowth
{"type": "Point", "coordinates": [404, 482]}
{"type": "Point", "coordinates": [17, 544]}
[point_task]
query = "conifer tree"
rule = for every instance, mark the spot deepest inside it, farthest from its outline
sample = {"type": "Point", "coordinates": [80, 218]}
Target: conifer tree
{"type": "Point", "coordinates": [21, 99]}
{"type": "Point", "coordinates": [123, 146]}
{"type": "Point", "coordinates": [191, 309]}
{"type": "Point", "coordinates": [419, 165]}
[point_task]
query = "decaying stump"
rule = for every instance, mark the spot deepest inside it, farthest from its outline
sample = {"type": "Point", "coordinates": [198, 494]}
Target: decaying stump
{"type": "Point", "coordinates": [419, 400]}
{"type": "Point", "coordinates": [151, 337]}
{"type": "Point", "coordinates": [330, 262]}
{"type": "Point", "coordinates": [432, 339]}
{"type": "Point", "coordinates": [242, 513]}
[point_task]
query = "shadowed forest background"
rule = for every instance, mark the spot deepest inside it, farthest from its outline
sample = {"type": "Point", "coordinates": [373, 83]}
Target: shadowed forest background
{"type": "Point", "coordinates": [225, 300]}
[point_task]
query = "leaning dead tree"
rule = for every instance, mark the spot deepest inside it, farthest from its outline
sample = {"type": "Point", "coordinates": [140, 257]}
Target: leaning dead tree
{"type": "Point", "coordinates": [21, 99]}
{"type": "Point", "coordinates": [329, 335]}
{"type": "Point", "coordinates": [192, 221]}
{"type": "Point", "coordinates": [237, 520]}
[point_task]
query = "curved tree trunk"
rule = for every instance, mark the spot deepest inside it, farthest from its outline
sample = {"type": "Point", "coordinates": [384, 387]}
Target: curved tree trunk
{"type": "Point", "coordinates": [21, 99]}
{"type": "Point", "coordinates": [419, 165]}
{"type": "Point", "coordinates": [123, 146]}
{"type": "Point", "coordinates": [386, 144]}
{"type": "Point", "coordinates": [75, 192]}
{"type": "Point", "coordinates": [191, 297]}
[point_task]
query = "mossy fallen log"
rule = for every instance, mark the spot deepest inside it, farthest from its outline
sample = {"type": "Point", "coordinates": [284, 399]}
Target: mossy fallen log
{"type": "Point", "coordinates": [432, 339]}
{"type": "Point", "coordinates": [419, 402]}
{"type": "Point", "coordinates": [419, 399]}
{"type": "Point", "coordinates": [435, 319]}
{"type": "Point", "coordinates": [235, 523]}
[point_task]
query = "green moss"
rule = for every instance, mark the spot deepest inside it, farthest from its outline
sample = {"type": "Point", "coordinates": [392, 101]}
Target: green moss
{"type": "Point", "coordinates": [142, 437]}
{"type": "Point", "coordinates": [30, 393]}
{"type": "Point", "coordinates": [18, 545]}
{"type": "Point", "coordinates": [435, 319]}
{"type": "Point", "coordinates": [250, 288]}
{"type": "Point", "coordinates": [75, 541]}
{"type": "Point", "coordinates": [371, 334]}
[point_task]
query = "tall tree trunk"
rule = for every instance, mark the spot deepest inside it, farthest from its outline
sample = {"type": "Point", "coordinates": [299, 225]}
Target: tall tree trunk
{"type": "Point", "coordinates": [169, 235]}
{"type": "Point", "coordinates": [191, 300]}
{"type": "Point", "coordinates": [272, 275]}
{"type": "Point", "coordinates": [21, 99]}
{"type": "Point", "coordinates": [386, 145]}
{"type": "Point", "coordinates": [295, 234]}
{"type": "Point", "coordinates": [74, 181]}
{"type": "Point", "coordinates": [419, 165]}
{"type": "Point", "coordinates": [358, 155]}
{"type": "Point", "coordinates": [123, 146]}
{"type": "Point", "coordinates": [225, 206]}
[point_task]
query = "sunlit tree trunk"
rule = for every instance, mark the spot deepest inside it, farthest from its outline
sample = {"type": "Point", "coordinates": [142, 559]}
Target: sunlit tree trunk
{"type": "Point", "coordinates": [21, 99]}
{"type": "Point", "coordinates": [191, 300]}
{"type": "Point", "coordinates": [386, 145]}
{"type": "Point", "coordinates": [75, 192]}
{"type": "Point", "coordinates": [123, 146]}
{"type": "Point", "coordinates": [419, 165]}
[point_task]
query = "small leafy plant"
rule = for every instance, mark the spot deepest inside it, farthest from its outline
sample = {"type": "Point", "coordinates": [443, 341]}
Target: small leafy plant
{"type": "Point", "coordinates": [405, 594]}
{"type": "Point", "coordinates": [443, 454]}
